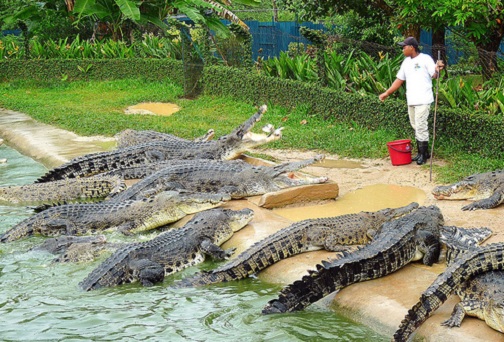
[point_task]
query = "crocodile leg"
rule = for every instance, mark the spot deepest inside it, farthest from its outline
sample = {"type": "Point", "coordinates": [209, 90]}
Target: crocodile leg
{"type": "Point", "coordinates": [491, 202]}
{"type": "Point", "coordinates": [217, 253]}
{"type": "Point", "coordinates": [457, 316]}
{"type": "Point", "coordinates": [147, 271]}
{"type": "Point", "coordinates": [428, 246]}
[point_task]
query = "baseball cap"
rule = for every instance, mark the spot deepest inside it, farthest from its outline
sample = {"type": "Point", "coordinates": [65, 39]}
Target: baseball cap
{"type": "Point", "coordinates": [409, 41]}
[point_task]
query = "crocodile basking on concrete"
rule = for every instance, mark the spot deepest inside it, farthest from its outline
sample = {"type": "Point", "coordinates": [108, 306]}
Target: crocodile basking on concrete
{"type": "Point", "coordinates": [69, 190]}
{"type": "Point", "coordinates": [131, 137]}
{"type": "Point", "coordinates": [486, 189]}
{"type": "Point", "coordinates": [176, 249]}
{"type": "Point", "coordinates": [332, 234]}
{"type": "Point", "coordinates": [412, 237]}
{"type": "Point", "coordinates": [130, 216]}
{"type": "Point", "coordinates": [225, 148]}
{"type": "Point", "coordinates": [142, 171]}
{"type": "Point", "coordinates": [233, 178]}
{"type": "Point", "coordinates": [476, 275]}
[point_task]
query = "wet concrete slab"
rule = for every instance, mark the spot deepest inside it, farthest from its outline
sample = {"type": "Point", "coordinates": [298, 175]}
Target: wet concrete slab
{"type": "Point", "coordinates": [380, 304]}
{"type": "Point", "coordinates": [46, 144]}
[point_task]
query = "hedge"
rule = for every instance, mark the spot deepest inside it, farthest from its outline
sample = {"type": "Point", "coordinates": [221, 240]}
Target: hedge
{"type": "Point", "coordinates": [472, 131]}
{"type": "Point", "coordinates": [96, 69]}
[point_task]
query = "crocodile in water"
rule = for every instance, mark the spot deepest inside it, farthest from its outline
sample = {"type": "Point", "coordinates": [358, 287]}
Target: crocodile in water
{"type": "Point", "coordinates": [170, 251]}
{"type": "Point", "coordinates": [486, 189]}
{"type": "Point", "coordinates": [69, 190]}
{"type": "Point", "coordinates": [332, 234]}
{"type": "Point", "coordinates": [400, 241]}
{"type": "Point", "coordinates": [77, 248]}
{"type": "Point", "coordinates": [131, 216]}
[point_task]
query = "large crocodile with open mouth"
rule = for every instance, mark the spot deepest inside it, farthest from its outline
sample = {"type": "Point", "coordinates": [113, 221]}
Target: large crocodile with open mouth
{"type": "Point", "coordinates": [68, 190]}
{"type": "Point", "coordinates": [176, 249]}
{"type": "Point", "coordinates": [486, 189]}
{"type": "Point", "coordinates": [131, 137]}
{"type": "Point", "coordinates": [226, 147]}
{"type": "Point", "coordinates": [476, 275]}
{"type": "Point", "coordinates": [412, 237]}
{"type": "Point", "coordinates": [130, 216]}
{"type": "Point", "coordinates": [332, 234]}
{"type": "Point", "coordinates": [238, 179]}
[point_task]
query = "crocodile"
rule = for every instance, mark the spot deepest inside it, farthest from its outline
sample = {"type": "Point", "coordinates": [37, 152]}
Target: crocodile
{"type": "Point", "coordinates": [69, 190]}
{"type": "Point", "coordinates": [332, 234]}
{"type": "Point", "coordinates": [477, 276]}
{"type": "Point", "coordinates": [77, 248]}
{"type": "Point", "coordinates": [142, 171]}
{"type": "Point", "coordinates": [486, 189]}
{"type": "Point", "coordinates": [171, 251]}
{"type": "Point", "coordinates": [411, 237]}
{"type": "Point", "coordinates": [236, 179]}
{"type": "Point", "coordinates": [130, 137]}
{"type": "Point", "coordinates": [226, 147]}
{"type": "Point", "coordinates": [131, 216]}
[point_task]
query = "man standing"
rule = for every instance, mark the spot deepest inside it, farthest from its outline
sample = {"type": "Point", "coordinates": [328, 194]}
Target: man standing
{"type": "Point", "coordinates": [418, 70]}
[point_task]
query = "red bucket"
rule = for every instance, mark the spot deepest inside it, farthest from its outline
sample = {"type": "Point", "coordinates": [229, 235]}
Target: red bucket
{"type": "Point", "coordinates": [400, 152]}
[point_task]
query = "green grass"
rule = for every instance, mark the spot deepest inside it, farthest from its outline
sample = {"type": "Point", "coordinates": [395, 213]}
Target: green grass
{"type": "Point", "coordinates": [96, 108]}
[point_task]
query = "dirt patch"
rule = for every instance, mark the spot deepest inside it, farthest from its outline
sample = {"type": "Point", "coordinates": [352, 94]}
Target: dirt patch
{"type": "Point", "coordinates": [153, 108]}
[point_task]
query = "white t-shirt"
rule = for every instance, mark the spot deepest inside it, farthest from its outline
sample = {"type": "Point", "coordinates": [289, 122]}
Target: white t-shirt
{"type": "Point", "coordinates": [417, 74]}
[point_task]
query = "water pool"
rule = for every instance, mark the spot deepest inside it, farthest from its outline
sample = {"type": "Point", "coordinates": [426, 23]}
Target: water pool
{"type": "Point", "coordinates": [40, 300]}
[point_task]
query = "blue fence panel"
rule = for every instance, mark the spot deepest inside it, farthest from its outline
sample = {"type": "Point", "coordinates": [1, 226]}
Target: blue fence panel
{"type": "Point", "coordinates": [15, 32]}
{"type": "Point", "coordinates": [271, 39]}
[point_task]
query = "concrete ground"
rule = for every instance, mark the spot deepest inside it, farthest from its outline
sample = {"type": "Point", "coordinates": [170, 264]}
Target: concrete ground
{"type": "Point", "coordinates": [362, 184]}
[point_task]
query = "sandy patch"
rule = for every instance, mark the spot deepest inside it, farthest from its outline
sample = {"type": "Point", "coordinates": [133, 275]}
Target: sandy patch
{"type": "Point", "coordinates": [380, 171]}
{"type": "Point", "coordinates": [153, 108]}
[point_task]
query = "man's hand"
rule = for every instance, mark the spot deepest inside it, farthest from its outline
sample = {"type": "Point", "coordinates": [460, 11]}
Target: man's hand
{"type": "Point", "coordinates": [383, 96]}
{"type": "Point", "coordinates": [439, 65]}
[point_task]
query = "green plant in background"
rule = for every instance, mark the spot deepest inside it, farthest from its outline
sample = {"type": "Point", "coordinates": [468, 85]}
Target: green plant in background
{"type": "Point", "coordinates": [10, 47]}
{"type": "Point", "coordinates": [85, 69]}
{"type": "Point", "coordinates": [301, 68]}
{"type": "Point", "coordinates": [464, 92]}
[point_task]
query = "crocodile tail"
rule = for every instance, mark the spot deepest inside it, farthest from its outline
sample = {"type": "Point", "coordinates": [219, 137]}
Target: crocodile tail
{"type": "Point", "coordinates": [472, 263]}
{"type": "Point", "coordinates": [17, 232]}
{"type": "Point", "coordinates": [311, 288]}
{"type": "Point", "coordinates": [80, 166]}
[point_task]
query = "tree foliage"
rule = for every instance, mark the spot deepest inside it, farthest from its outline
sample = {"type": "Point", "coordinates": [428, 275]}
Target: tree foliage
{"type": "Point", "coordinates": [480, 21]}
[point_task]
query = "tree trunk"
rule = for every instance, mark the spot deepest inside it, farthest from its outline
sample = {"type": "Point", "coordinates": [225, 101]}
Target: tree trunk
{"type": "Point", "coordinates": [70, 4]}
{"type": "Point", "coordinates": [439, 46]}
{"type": "Point", "coordinates": [275, 11]}
{"type": "Point", "coordinates": [487, 55]}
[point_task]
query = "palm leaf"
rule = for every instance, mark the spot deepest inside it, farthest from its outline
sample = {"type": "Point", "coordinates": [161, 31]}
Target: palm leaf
{"type": "Point", "coordinates": [129, 9]}
{"type": "Point", "coordinates": [227, 14]}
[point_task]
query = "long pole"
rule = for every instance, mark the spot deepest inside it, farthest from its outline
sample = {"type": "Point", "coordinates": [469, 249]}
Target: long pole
{"type": "Point", "coordinates": [435, 114]}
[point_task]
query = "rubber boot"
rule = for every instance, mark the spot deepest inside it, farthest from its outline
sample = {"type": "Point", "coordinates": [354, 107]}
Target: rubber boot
{"type": "Point", "coordinates": [415, 158]}
{"type": "Point", "coordinates": [423, 151]}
